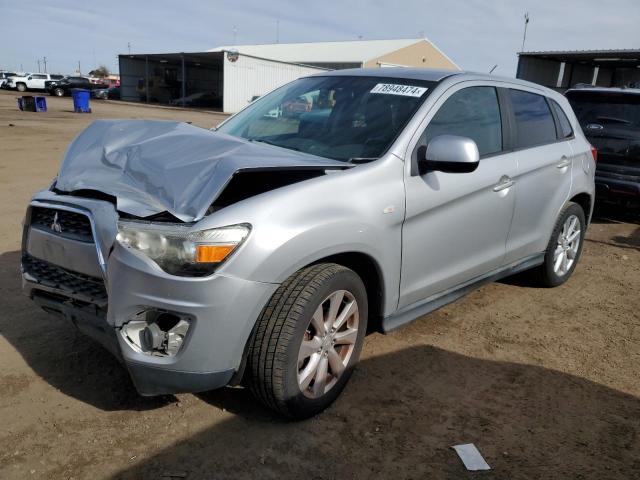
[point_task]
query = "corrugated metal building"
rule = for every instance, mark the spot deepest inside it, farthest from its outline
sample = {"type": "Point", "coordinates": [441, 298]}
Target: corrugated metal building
{"type": "Point", "coordinates": [228, 78]}
{"type": "Point", "coordinates": [212, 80]}
{"type": "Point", "coordinates": [564, 69]}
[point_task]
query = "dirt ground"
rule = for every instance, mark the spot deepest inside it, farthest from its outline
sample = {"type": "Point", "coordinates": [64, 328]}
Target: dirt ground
{"type": "Point", "coordinates": [545, 382]}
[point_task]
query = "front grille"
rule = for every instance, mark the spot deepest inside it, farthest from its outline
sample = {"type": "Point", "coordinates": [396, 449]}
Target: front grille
{"type": "Point", "coordinates": [72, 225]}
{"type": "Point", "coordinates": [73, 283]}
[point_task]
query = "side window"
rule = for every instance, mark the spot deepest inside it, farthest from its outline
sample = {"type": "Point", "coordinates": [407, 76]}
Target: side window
{"type": "Point", "coordinates": [534, 122]}
{"type": "Point", "coordinates": [565, 130]}
{"type": "Point", "coordinates": [472, 112]}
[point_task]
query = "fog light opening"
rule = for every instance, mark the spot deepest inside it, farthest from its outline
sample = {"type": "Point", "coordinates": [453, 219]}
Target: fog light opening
{"type": "Point", "coordinates": [160, 333]}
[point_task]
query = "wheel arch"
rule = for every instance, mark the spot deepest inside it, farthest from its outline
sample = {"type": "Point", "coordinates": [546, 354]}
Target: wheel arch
{"type": "Point", "coordinates": [586, 203]}
{"type": "Point", "coordinates": [369, 271]}
{"type": "Point", "coordinates": [371, 275]}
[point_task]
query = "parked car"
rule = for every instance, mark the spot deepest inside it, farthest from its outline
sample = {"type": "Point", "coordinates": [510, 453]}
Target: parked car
{"type": "Point", "coordinates": [262, 252]}
{"type": "Point", "coordinates": [610, 119]}
{"type": "Point", "coordinates": [113, 93]}
{"type": "Point", "coordinates": [296, 107]}
{"type": "Point", "coordinates": [4, 76]}
{"type": "Point", "coordinates": [30, 81]}
{"type": "Point", "coordinates": [200, 99]}
{"type": "Point", "coordinates": [100, 93]}
{"type": "Point", "coordinates": [63, 86]}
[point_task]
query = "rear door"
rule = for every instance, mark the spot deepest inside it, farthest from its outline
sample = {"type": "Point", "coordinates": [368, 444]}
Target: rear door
{"type": "Point", "coordinates": [545, 160]}
{"type": "Point", "coordinates": [37, 81]}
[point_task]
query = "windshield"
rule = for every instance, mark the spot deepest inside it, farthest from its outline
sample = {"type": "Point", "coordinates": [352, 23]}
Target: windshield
{"type": "Point", "coordinates": [338, 117]}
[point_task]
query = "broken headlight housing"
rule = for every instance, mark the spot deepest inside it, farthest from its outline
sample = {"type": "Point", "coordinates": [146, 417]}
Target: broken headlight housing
{"type": "Point", "coordinates": [180, 250]}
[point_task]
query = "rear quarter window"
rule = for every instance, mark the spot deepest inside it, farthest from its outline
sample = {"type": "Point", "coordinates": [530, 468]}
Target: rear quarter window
{"type": "Point", "coordinates": [534, 121]}
{"type": "Point", "coordinates": [564, 125]}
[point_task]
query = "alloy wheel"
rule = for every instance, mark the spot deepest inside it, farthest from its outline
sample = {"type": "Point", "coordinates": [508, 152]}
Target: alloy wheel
{"type": "Point", "coordinates": [328, 343]}
{"type": "Point", "coordinates": [567, 246]}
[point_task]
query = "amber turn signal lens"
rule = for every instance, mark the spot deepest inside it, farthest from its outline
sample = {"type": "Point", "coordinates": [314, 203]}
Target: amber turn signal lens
{"type": "Point", "coordinates": [212, 253]}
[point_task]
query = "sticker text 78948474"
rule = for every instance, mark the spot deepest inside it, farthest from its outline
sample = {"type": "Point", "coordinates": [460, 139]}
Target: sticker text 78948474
{"type": "Point", "coordinates": [394, 89]}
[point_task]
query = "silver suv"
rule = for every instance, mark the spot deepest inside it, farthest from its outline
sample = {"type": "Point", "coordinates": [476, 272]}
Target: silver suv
{"type": "Point", "coordinates": [339, 204]}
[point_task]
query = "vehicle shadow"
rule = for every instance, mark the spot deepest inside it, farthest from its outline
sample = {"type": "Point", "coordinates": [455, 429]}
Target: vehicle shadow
{"type": "Point", "coordinates": [62, 356]}
{"type": "Point", "coordinates": [403, 411]}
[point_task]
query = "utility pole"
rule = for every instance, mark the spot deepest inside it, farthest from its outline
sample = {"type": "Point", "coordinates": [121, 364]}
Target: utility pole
{"type": "Point", "coordinates": [44, 59]}
{"type": "Point", "coordinates": [38, 65]}
{"type": "Point", "coordinates": [524, 37]}
{"type": "Point", "coordinates": [129, 47]}
{"type": "Point", "coordinates": [277, 31]}
{"type": "Point", "coordinates": [79, 69]}
{"type": "Point", "coordinates": [235, 34]}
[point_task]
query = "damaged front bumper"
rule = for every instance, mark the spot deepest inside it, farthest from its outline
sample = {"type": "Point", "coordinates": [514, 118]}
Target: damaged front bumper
{"type": "Point", "coordinates": [77, 270]}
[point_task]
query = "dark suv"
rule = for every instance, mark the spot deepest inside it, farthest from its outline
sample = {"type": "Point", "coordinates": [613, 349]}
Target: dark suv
{"type": "Point", "coordinates": [610, 119]}
{"type": "Point", "coordinates": [64, 86]}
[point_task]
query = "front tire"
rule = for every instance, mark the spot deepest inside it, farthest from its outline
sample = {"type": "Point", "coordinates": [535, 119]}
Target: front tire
{"type": "Point", "coordinates": [58, 92]}
{"type": "Point", "coordinates": [564, 248]}
{"type": "Point", "coordinates": [21, 87]}
{"type": "Point", "coordinates": [308, 340]}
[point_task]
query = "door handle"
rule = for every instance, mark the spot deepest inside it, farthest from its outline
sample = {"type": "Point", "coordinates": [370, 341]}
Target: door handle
{"type": "Point", "coordinates": [505, 182]}
{"type": "Point", "coordinates": [564, 162]}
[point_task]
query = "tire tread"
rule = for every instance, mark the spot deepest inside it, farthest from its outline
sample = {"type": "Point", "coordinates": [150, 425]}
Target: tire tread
{"type": "Point", "coordinates": [275, 330]}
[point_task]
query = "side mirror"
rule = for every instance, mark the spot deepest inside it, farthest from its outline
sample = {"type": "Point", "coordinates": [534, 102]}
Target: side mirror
{"type": "Point", "coordinates": [449, 154]}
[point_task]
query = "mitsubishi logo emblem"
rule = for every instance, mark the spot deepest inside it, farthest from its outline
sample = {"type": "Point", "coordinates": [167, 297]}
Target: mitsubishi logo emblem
{"type": "Point", "coordinates": [55, 226]}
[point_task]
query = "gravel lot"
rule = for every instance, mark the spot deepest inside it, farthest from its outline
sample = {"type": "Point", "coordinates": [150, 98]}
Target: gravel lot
{"type": "Point", "coordinates": [545, 382]}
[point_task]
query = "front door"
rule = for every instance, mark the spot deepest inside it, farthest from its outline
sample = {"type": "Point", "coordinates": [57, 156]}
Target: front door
{"type": "Point", "coordinates": [457, 224]}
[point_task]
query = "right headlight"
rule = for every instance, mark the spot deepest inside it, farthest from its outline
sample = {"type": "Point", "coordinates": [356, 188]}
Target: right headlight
{"type": "Point", "coordinates": [178, 249]}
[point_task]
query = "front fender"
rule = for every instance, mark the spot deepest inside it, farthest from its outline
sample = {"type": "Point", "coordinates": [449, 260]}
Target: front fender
{"type": "Point", "coordinates": [360, 210]}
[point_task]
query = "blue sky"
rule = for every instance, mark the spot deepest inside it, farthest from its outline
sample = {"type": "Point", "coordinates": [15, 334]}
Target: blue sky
{"type": "Point", "coordinates": [476, 34]}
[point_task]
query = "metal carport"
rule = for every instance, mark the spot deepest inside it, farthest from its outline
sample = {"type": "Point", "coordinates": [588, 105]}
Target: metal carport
{"type": "Point", "coordinates": [563, 69]}
{"type": "Point", "coordinates": [182, 79]}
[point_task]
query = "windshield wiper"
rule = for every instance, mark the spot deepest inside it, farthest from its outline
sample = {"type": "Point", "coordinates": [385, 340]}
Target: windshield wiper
{"type": "Point", "coordinates": [362, 159]}
{"type": "Point", "coordinates": [614, 120]}
{"type": "Point", "coordinates": [269, 142]}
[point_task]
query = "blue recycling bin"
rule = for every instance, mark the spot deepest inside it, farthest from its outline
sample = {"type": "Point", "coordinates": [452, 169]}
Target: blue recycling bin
{"type": "Point", "coordinates": [81, 100]}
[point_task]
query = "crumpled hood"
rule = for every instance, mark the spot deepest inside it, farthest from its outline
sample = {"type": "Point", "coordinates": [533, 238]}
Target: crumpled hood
{"type": "Point", "coordinates": [152, 166]}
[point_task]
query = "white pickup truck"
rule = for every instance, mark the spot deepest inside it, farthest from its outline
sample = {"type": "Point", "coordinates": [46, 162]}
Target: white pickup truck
{"type": "Point", "coordinates": [30, 81]}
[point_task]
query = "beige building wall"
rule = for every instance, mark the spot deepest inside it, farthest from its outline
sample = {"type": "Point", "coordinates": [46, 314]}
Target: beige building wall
{"type": "Point", "coordinates": [420, 54]}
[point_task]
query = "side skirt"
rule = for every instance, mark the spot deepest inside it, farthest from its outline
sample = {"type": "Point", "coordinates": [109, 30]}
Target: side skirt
{"type": "Point", "coordinates": [428, 305]}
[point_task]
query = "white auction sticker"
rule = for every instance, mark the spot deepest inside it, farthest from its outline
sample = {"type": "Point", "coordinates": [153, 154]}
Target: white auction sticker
{"type": "Point", "coordinates": [394, 89]}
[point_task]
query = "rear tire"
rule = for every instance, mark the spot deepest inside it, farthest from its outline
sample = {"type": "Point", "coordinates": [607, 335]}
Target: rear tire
{"type": "Point", "coordinates": [21, 87]}
{"type": "Point", "coordinates": [308, 340]}
{"type": "Point", "coordinates": [58, 92]}
{"type": "Point", "coordinates": [564, 247]}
